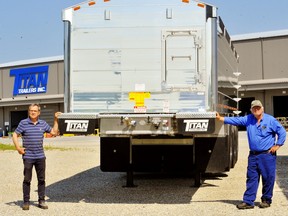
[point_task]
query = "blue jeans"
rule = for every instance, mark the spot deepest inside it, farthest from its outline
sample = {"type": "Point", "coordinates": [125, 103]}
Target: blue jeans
{"type": "Point", "coordinates": [263, 165]}
{"type": "Point", "coordinates": [40, 167]}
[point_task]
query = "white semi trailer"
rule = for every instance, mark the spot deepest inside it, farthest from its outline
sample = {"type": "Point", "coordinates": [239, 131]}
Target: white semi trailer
{"type": "Point", "coordinates": [148, 76]}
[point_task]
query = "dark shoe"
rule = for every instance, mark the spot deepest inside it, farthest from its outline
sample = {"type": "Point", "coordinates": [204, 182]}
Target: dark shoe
{"type": "Point", "coordinates": [264, 204]}
{"type": "Point", "coordinates": [244, 206]}
{"type": "Point", "coordinates": [25, 206]}
{"type": "Point", "coordinates": [42, 205]}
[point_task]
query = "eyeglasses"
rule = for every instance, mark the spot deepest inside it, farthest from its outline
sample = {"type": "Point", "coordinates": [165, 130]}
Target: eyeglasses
{"type": "Point", "coordinates": [256, 108]}
{"type": "Point", "coordinates": [33, 111]}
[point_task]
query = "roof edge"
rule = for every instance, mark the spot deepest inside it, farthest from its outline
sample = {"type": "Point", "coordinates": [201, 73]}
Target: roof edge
{"type": "Point", "coordinates": [259, 35]}
{"type": "Point", "coordinates": [32, 61]}
{"type": "Point", "coordinates": [264, 81]}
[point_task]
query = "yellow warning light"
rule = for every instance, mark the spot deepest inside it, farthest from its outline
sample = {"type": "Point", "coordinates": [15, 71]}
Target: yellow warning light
{"type": "Point", "coordinates": [76, 8]}
{"type": "Point", "coordinates": [186, 1]}
{"type": "Point", "coordinates": [91, 3]}
{"type": "Point", "coordinates": [201, 5]}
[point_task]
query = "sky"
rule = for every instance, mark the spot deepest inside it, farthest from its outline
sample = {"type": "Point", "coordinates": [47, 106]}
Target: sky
{"type": "Point", "coordinates": [31, 29]}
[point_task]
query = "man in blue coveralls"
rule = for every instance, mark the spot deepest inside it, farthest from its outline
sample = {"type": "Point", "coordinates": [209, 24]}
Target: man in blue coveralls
{"type": "Point", "coordinates": [261, 131]}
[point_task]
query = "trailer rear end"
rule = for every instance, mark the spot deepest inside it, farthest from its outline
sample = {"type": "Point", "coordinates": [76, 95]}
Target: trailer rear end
{"type": "Point", "coordinates": [148, 76]}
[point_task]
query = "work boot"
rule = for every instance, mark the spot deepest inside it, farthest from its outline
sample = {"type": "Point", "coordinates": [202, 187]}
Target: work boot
{"type": "Point", "coordinates": [244, 205]}
{"type": "Point", "coordinates": [264, 204]}
{"type": "Point", "coordinates": [25, 206]}
{"type": "Point", "coordinates": [42, 205]}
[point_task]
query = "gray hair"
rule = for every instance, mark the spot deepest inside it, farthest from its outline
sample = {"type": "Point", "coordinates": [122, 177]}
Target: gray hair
{"type": "Point", "coordinates": [33, 105]}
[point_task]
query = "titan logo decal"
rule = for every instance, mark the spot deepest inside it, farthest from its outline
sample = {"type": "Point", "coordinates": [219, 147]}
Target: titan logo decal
{"type": "Point", "coordinates": [77, 125]}
{"type": "Point", "coordinates": [196, 125]}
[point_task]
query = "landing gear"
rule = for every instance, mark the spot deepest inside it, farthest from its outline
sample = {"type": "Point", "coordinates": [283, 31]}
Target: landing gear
{"type": "Point", "coordinates": [130, 180]}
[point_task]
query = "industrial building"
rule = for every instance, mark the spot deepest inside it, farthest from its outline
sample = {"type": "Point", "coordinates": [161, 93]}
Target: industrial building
{"type": "Point", "coordinates": [264, 71]}
{"type": "Point", "coordinates": [46, 75]}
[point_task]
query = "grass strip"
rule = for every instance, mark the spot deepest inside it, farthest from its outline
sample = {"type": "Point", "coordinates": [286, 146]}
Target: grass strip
{"type": "Point", "coordinates": [9, 147]}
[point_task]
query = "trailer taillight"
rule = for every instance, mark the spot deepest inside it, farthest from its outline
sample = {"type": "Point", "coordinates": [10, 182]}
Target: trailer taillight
{"type": "Point", "coordinates": [91, 3]}
{"type": "Point", "coordinates": [76, 8]}
{"type": "Point", "coordinates": [201, 5]}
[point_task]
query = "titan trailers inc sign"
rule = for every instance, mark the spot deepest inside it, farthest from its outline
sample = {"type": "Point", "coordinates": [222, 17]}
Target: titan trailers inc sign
{"type": "Point", "coordinates": [32, 80]}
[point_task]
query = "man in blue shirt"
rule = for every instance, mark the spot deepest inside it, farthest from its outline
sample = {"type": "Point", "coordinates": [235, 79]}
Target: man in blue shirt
{"type": "Point", "coordinates": [261, 131]}
{"type": "Point", "coordinates": [32, 132]}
